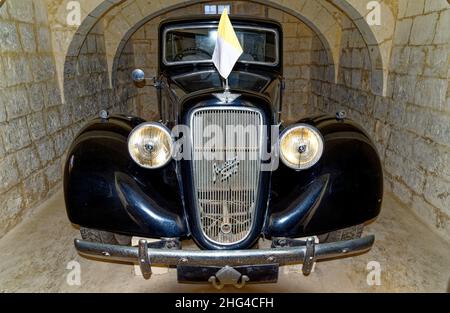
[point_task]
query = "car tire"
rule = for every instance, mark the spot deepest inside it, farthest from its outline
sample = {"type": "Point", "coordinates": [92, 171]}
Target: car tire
{"type": "Point", "coordinates": [349, 233]}
{"type": "Point", "coordinates": [105, 237]}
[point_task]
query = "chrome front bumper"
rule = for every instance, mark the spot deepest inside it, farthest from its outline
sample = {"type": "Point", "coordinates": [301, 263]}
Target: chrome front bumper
{"type": "Point", "coordinates": [306, 254]}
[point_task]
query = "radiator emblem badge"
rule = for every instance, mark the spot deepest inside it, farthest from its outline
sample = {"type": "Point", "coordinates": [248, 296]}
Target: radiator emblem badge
{"type": "Point", "coordinates": [225, 170]}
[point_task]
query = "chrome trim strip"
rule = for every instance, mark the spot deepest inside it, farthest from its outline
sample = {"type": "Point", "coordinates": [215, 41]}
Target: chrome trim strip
{"type": "Point", "coordinates": [281, 256]}
{"type": "Point", "coordinates": [257, 181]}
{"type": "Point", "coordinates": [277, 44]}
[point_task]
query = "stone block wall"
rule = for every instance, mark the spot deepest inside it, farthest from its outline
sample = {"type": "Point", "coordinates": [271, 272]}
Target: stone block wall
{"type": "Point", "coordinates": [87, 86]}
{"type": "Point", "coordinates": [297, 63]}
{"type": "Point", "coordinates": [36, 126]}
{"type": "Point", "coordinates": [411, 125]}
{"type": "Point", "coordinates": [352, 90]}
{"type": "Point", "coordinates": [418, 151]}
{"type": "Point", "coordinates": [33, 128]}
{"type": "Point", "coordinates": [141, 51]}
{"type": "Point", "coordinates": [86, 83]}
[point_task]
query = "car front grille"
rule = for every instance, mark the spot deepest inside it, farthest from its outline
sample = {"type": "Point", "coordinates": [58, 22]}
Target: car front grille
{"type": "Point", "coordinates": [226, 146]}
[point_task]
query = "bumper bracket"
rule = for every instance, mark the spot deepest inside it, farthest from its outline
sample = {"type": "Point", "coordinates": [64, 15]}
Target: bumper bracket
{"type": "Point", "coordinates": [144, 259]}
{"type": "Point", "coordinates": [309, 260]}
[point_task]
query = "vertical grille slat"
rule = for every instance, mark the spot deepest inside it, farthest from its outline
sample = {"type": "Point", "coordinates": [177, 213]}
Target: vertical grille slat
{"type": "Point", "coordinates": [226, 170]}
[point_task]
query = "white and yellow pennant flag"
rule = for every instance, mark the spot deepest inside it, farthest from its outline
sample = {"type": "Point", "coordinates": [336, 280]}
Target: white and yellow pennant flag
{"type": "Point", "coordinates": [228, 49]}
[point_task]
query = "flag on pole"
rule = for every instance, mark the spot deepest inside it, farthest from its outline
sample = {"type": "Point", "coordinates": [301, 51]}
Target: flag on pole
{"type": "Point", "coordinates": [228, 49]}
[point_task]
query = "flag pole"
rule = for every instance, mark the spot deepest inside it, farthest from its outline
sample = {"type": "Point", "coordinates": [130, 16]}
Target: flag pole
{"type": "Point", "coordinates": [227, 90]}
{"type": "Point", "coordinates": [226, 53]}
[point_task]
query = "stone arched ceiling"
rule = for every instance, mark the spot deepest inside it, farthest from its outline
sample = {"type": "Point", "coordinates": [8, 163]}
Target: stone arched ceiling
{"type": "Point", "coordinates": [333, 58]}
{"type": "Point", "coordinates": [65, 35]}
{"type": "Point", "coordinates": [326, 17]}
{"type": "Point", "coordinates": [378, 37]}
{"type": "Point", "coordinates": [128, 17]}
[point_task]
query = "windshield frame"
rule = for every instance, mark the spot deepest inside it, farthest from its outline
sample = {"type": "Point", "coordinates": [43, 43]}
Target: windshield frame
{"type": "Point", "coordinates": [180, 27]}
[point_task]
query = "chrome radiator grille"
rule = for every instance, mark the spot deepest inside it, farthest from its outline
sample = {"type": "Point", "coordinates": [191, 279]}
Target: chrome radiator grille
{"type": "Point", "coordinates": [226, 145]}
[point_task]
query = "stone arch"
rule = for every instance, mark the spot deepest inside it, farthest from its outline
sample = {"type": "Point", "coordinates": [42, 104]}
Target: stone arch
{"type": "Point", "coordinates": [378, 38]}
{"type": "Point", "coordinates": [88, 24]}
{"type": "Point", "coordinates": [332, 60]}
{"type": "Point", "coordinates": [305, 10]}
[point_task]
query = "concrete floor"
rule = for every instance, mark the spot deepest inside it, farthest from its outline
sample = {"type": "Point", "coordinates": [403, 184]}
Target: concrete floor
{"type": "Point", "coordinates": [34, 258]}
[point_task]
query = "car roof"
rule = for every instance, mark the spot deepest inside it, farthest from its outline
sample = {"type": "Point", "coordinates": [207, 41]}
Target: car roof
{"type": "Point", "coordinates": [214, 19]}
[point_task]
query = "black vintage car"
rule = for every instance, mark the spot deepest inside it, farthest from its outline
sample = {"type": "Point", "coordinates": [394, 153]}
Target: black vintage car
{"type": "Point", "coordinates": [221, 168]}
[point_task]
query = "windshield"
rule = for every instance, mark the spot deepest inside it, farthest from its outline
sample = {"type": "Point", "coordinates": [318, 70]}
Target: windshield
{"type": "Point", "coordinates": [196, 44]}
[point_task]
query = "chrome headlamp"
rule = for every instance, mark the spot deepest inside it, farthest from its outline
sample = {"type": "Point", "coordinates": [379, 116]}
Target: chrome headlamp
{"type": "Point", "coordinates": [301, 146]}
{"type": "Point", "coordinates": [150, 145]}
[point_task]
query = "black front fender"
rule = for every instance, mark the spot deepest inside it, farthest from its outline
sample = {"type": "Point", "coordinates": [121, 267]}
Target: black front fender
{"type": "Point", "coordinates": [106, 190]}
{"type": "Point", "coordinates": [345, 188]}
